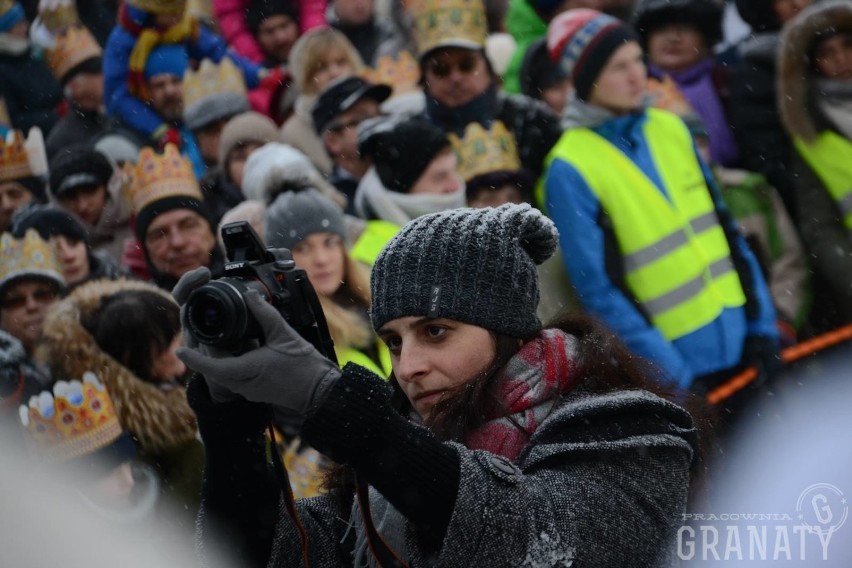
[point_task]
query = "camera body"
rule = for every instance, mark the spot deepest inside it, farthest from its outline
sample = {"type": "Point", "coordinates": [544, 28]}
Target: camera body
{"type": "Point", "coordinates": [216, 314]}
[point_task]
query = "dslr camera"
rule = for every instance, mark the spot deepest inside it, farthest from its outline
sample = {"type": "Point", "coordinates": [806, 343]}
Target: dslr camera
{"type": "Point", "coordinates": [216, 314]}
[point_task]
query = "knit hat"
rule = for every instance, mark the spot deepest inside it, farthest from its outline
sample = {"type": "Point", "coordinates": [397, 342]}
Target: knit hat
{"type": "Point", "coordinates": [581, 41]}
{"type": "Point", "coordinates": [169, 59]}
{"type": "Point", "coordinates": [295, 215]}
{"type": "Point", "coordinates": [341, 95]}
{"type": "Point", "coordinates": [12, 13]}
{"type": "Point", "coordinates": [759, 14]}
{"type": "Point", "coordinates": [705, 15]}
{"type": "Point", "coordinates": [476, 266]}
{"type": "Point", "coordinates": [246, 127]}
{"type": "Point", "coordinates": [259, 10]}
{"type": "Point", "coordinates": [401, 148]}
{"type": "Point", "coordinates": [48, 222]}
{"type": "Point", "coordinates": [28, 257]}
{"type": "Point", "coordinates": [538, 72]}
{"type": "Point", "coordinates": [78, 166]}
{"type": "Point", "coordinates": [212, 93]}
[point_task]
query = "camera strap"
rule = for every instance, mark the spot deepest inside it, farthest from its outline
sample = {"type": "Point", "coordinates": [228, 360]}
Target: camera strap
{"type": "Point", "coordinates": [289, 500]}
{"type": "Point", "coordinates": [384, 554]}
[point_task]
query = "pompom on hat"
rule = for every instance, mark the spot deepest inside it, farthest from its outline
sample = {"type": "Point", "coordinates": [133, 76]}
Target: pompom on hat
{"type": "Point", "coordinates": [476, 266]}
{"type": "Point", "coordinates": [581, 41]}
{"type": "Point", "coordinates": [295, 215]}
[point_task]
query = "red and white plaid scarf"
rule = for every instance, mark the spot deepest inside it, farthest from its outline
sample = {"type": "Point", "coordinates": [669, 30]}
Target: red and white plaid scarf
{"type": "Point", "coordinates": [543, 369]}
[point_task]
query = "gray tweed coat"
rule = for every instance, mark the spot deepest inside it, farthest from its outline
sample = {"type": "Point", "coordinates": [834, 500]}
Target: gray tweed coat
{"type": "Point", "coordinates": [602, 483]}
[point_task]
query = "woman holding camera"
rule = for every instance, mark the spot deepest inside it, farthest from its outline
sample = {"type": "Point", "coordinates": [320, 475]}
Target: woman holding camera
{"type": "Point", "coordinates": [495, 443]}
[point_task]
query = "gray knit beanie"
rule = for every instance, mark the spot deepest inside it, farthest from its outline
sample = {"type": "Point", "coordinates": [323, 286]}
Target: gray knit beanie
{"type": "Point", "coordinates": [295, 215]}
{"type": "Point", "coordinates": [476, 266]}
{"type": "Point", "coordinates": [246, 127]}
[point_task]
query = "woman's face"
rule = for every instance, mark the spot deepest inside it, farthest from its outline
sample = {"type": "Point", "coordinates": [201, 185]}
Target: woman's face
{"type": "Point", "coordinates": [74, 257]}
{"type": "Point", "coordinates": [165, 365]}
{"type": "Point", "coordinates": [236, 161]}
{"type": "Point", "coordinates": [323, 257]}
{"type": "Point", "coordinates": [433, 356]}
{"type": "Point", "coordinates": [86, 202]}
{"type": "Point", "coordinates": [333, 65]}
{"type": "Point", "coordinates": [440, 176]}
{"type": "Point", "coordinates": [675, 47]}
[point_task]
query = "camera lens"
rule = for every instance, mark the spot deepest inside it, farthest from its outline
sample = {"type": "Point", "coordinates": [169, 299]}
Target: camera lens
{"type": "Point", "coordinates": [216, 313]}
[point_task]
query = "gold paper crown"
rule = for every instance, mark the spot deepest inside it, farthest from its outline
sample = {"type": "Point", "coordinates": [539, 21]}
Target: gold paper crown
{"type": "Point", "coordinates": [401, 72]}
{"type": "Point", "coordinates": [30, 256]}
{"type": "Point", "coordinates": [448, 23]}
{"type": "Point", "coordinates": [201, 9]}
{"type": "Point", "coordinates": [160, 7]}
{"type": "Point", "coordinates": [75, 420]}
{"type": "Point", "coordinates": [20, 157]}
{"type": "Point", "coordinates": [72, 47]}
{"type": "Point", "coordinates": [4, 113]}
{"type": "Point", "coordinates": [158, 176]}
{"type": "Point", "coordinates": [212, 79]}
{"type": "Point", "coordinates": [483, 151]}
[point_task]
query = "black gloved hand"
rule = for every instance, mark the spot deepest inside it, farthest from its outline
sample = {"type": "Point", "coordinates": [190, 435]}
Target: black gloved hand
{"type": "Point", "coordinates": [762, 353]}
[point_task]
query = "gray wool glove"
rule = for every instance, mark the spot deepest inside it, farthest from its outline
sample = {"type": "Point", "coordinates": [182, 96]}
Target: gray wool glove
{"type": "Point", "coordinates": [286, 372]}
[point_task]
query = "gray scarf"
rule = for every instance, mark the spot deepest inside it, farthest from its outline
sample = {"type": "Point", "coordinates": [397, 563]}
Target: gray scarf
{"type": "Point", "coordinates": [373, 199]}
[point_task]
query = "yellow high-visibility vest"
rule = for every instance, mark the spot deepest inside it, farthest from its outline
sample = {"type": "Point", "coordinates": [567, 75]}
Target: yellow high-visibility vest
{"type": "Point", "coordinates": [830, 157]}
{"type": "Point", "coordinates": [352, 355]}
{"type": "Point", "coordinates": [372, 240]}
{"type": "Point", "coordinates": [676, 258]}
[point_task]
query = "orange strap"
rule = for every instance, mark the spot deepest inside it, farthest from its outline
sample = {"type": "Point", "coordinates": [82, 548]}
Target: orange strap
{"type": "Point", "coordinates": [793, 353]}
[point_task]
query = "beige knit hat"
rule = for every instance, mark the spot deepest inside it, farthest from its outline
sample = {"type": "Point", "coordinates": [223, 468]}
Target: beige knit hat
{"type": "Point", "coordinates": [246, 127]}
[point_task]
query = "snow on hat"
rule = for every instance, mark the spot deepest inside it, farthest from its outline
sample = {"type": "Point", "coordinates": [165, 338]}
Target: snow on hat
{"type": "Point", "coordinates": [295, 215]}
{"type": "Point", "coordinates": [476, 266]}
{"type": "Point", "coordinates": [582, 41]}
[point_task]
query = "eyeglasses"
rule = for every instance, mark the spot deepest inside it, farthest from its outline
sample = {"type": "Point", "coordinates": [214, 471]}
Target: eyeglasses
{"type": "Point", "coordinates": [17, 301]}
{"type": "Point", "coordinates": [341, 127]}
{"type": "Point", "coordinates": [465, 64]}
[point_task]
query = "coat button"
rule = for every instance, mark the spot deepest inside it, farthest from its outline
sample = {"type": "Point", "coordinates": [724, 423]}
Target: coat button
{"type": "Point", "coordinates": [504, 466]}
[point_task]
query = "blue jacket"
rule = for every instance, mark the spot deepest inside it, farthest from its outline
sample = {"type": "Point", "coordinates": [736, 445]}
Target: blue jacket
{"type": "Point", "coordinates": [134, 112]}
{"type": "Point", "coordinates": [588, 248]}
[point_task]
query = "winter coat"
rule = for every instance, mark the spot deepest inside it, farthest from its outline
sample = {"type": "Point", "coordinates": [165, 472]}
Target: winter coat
{"type": "Point", "coordinates": [753, 111]}
{"type": "Point", "coordinates": [770, 233]}
{"type": "Point", "coordinates": [76, 127]}
{"type": "Point", "coordinates": [601, 482]}
{"type": "Point", "coordinates": [818, 218]}
{"type": "Point", "coordinates": [299, 132]}
{"type": "Point", "coordinates": [593, 260]}
{"type": "Point", "coordinates": [526, 27]}
{"type": "Point", "coordinates": [29, 88]}
{"type": "Point", "coordinates": [232, 24]}
{"type": "Point", "coordinates": [535, 127]}
{"type": "Point", "coordinates": [161, 422]}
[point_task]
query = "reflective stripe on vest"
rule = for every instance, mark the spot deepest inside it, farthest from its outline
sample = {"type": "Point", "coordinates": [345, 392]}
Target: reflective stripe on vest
{"type": "Point", "coordinates": [830, 157]}
{"type": "Point", "coordinates": [676, 257]}
{"type": "Point", "coordinates": [373, 239]}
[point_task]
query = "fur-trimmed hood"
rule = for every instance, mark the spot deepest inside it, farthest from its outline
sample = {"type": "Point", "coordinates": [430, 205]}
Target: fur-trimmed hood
{"type": "Point", "coordinates": [795, 69]}
{"type": "Point", "coordinates": [158, 420]}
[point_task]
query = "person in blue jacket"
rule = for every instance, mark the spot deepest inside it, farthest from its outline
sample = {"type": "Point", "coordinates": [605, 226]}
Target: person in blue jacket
{"type": "Point", "coordinates": [645, 235]}
{"type": "Point", "coordinates": [143, 26]}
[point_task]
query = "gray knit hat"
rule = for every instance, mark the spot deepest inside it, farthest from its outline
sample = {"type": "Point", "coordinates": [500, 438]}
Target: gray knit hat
{"type": "Point", "coordinates": [218, 106]}
{"type": "Point", "coordinates": [476, 266]}
{"type": "Point", "coordinates": [295, 215]}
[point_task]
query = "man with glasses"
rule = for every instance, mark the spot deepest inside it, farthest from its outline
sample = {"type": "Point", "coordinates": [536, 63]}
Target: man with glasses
{"type": "Point", "coordinates": [339, 109]}
{"type": "Point", "coordinates": [461, 86]}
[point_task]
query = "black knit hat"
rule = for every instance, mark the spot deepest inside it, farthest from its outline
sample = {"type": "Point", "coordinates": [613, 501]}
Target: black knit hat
{"type": "Point", "coordinates": [538, 72]}
{"type": "Point", "coordinates": [476, 266]}
{"type": "Point", "coordinates": [48, 222]}
{"type": "Point", "coordinates": [78, 166]}
{"type": "Point", "coordinates": [259, 10]}
{"type": "Point", "coordinates": [705, 15]}
{"type": "Point", "coordinates": [401, 148]}
{"type": "Point", "coordinates": [759, 14]}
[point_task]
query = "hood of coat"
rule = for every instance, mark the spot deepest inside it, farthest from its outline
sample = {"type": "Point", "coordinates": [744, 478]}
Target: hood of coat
{"type": "Point", "coordinates": [157, 419]}
{"type": "Point", "coordinates": [795, 72]}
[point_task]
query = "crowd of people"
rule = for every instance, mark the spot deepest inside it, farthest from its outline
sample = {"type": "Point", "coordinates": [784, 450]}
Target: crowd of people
{"type": "Point", "coordinates": [541, 233]}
